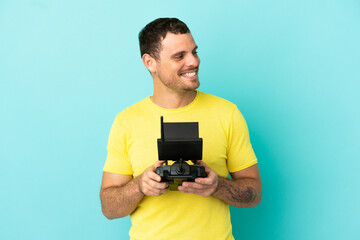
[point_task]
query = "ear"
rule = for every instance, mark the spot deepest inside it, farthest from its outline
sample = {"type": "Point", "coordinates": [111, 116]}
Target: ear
{"type": "Point", "coordinates": [149, 62]}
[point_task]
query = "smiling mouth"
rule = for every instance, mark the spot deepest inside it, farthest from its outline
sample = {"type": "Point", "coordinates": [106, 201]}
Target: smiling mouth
{"type": "Point", "coordinates": [190, 75]}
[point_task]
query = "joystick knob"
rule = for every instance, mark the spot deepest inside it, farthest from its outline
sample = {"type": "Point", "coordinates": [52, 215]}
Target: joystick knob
{"type": "Point", "coordinates": [180, 171]}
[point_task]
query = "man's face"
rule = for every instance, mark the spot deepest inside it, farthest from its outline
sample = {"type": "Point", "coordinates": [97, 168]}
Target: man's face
{"type": "Point", "coordinates": [178, 64]}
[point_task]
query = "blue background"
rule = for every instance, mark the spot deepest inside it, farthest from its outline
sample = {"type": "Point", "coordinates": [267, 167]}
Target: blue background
{"type": "Point", "coordinates": [68, 67]}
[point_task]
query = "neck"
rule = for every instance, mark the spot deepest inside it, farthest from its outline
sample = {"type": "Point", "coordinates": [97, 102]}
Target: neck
{"type": "Point", "coordinates": [173, 100]}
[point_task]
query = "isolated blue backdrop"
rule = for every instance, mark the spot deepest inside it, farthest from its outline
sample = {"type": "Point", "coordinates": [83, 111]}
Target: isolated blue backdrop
{"type": "Point", "coordinates": [68, 67]}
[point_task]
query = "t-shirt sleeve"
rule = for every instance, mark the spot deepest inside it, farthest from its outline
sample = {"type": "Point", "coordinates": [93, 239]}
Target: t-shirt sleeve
{"type": "Point", "coordinates": [117, 160]}
{"type": "Point", "coordinates": [240, 152]}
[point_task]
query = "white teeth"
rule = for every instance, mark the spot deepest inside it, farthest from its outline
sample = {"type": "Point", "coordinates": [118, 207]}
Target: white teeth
{"type": "Point", "coordinates": [190, 74]}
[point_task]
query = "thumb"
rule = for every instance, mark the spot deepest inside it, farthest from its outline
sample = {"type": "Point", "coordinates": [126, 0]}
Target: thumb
{"type": "Point", "coordinates": [158, 164]}
{"type": "Point", "coordinates": [202, 163]}
{"type": "Point", "coordinates": [207, 168]}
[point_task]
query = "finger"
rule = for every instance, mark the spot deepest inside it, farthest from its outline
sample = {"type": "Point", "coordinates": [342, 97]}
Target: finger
{"type": "Point", "coordinates": [210, 173]}
{"type": "Point", "coordinates": [205, 181]}
{"type": "Point", "coordinates": [157, 188]}
{"type": "Point", "coordinates": [156, 185]}
{"type": "Point", "coordinates": [153, 176]}
{"type": "Point", "coordinates": [202, 163]}
{"type": "Point", "coordinates": [158, 164]}
{"type": "Point", "coordinates": [204, 192]}
{"type": "Point", "coordinates": [207, 168]}
{"type": "Point", "coordinates": [195, 185]}
{"type": "Point", "coordinates": [191, 190]}
{"type": "Point", "coordinates": [155, 192]}
{"type": "Point", "coordinates": [210, 179]}
{"type": "Point", "coordinates": [162, 191]}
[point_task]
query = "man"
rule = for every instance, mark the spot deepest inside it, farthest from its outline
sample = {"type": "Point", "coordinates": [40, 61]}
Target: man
{"type": "Point", "coordinates": [200, 209]}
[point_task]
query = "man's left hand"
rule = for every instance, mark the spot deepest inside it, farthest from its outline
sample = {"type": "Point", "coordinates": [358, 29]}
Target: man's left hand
{"type": "Point", "coordinates": [202, 186]}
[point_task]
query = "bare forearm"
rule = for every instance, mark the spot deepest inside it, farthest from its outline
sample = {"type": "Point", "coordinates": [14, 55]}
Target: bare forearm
{"type": "Point", "coordinates": [120, 201]}
{"type": "Point", "coordinates": [245, 192]}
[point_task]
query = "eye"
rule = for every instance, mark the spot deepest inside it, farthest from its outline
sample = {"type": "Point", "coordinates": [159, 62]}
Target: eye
{"type": "Point", "coordinates": [195, 52]}
{"type": "Point", "coordinates": [179, 57]}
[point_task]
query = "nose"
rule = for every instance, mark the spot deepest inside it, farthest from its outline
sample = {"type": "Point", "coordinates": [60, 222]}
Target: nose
{"type": "Point", "coordinates": [193, 60]}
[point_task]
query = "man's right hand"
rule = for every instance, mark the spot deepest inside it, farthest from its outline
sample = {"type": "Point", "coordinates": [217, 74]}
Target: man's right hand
{"type": "Point", "coordinates": [149, 182]}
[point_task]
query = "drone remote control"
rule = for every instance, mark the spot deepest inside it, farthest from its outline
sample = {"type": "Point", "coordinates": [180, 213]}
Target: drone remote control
{"type": "Point", "coordinates": [179, 142]}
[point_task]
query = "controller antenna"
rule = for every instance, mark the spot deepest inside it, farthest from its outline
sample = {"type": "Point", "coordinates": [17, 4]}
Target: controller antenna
{"type": "Point", "coordinates": [162, 128]}
{"type": "Point", "coordinates": [162, 133]}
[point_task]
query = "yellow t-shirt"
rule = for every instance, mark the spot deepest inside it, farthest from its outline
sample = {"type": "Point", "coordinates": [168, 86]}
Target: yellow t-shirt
{"type": "Point", "coordinates": [175, 215]}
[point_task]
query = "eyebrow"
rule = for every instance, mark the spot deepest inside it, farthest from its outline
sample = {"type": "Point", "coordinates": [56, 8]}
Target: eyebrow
{"type": "Point", "coordinates": [182, 52]}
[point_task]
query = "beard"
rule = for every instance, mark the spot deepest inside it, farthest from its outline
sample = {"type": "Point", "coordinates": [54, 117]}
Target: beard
{"type": "Point", "coordinates": [178, 83]}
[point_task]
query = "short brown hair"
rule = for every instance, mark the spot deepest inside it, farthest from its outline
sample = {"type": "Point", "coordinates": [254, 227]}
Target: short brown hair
{"type": "Point", "coordinates": [152, 34]}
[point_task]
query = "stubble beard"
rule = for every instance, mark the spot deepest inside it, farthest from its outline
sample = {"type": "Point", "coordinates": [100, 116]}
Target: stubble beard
{"type": "Point", "coordinates": [177, 84]}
